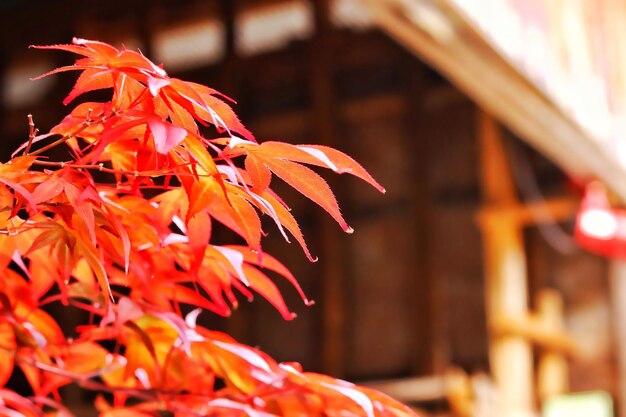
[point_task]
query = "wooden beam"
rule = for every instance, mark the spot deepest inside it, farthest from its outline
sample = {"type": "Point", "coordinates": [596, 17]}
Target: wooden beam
{"type": "Point", "coordinates": [535, 329]}
{"type": "Point", "coordinates": [452, 46]}
{"type": "Point", "coordinates": [372, 108]}
{"type": "Point", "coordinates": [414, 389]}
{"type": "Point", "coordinates": [548, 211]}
{"type": "Point", "coordinates": [351, 111]}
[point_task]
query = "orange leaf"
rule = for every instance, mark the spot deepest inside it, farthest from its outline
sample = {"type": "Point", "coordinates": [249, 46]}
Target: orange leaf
{"type": "Point", "coordinates": [199, 153]}
{"type": "Point", "coordinates": [285, 218]}
{"type": "Point", "coordinates": [342, 163]}
{"type": "Point", "coordinates": [317, 155]}
{"type": "Point", "coordinates": [259, 282]}
{"type": "Point", "coordinates": [18, 164]}
{"type": "Point", "coordinates": [246, 220]}
{"type": "Point", "coordinates": [20, 190]}
{"type": "Point", "coordinates": [92, 256]}
{"type": "Point", "coordinates": [90, 80]}
{"type": "Point", "coordinates": [7, 354]}
{"type": "Point", "coordinates": [181, 117]}
{"type": "Point", "coordinates": [267, 261]}
{"type": "Point", "coordinates": [39, 324]}
{"type": "Point", "coordinates": [180, 294]}
{"type": "Point", "coordinates": [224, 115]}
{"type": "Point", "coordinates": [48, 190]}
{"type": "Point", "coordinates": [199, 231]}
{"type": "Point", "coordinates": [201, 195]}
{"type": "Point", "coordinates": [310, 184]}
{"type": "Point", "coordinates": [259, 174]}
{"type": "Point", "coordinates": [50, 236]}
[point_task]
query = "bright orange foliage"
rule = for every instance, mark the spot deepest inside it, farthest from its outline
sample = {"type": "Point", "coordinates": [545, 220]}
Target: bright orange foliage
{"type": "Point", "coordinates": [131, 249]}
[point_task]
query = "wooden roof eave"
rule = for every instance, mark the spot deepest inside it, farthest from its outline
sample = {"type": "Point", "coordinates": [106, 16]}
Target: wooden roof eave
{"type": "Point", "coordinates": [454, 48]}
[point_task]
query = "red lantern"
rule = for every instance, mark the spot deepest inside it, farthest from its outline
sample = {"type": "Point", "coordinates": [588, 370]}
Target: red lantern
{"type": "Point", "coordinates": [600, 228]}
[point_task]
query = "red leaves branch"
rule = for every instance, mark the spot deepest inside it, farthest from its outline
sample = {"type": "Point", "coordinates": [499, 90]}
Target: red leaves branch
{"type": "Point", "coordinates": [86, 242]}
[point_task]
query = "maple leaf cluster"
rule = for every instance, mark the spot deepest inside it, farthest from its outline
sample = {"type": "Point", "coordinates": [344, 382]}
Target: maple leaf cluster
{"type": "Point", "coordinates": [121, 229]}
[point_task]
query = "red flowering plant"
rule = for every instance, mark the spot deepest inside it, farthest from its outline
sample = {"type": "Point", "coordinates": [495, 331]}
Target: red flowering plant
{"type": "Point", "coordinates": [122, 229]}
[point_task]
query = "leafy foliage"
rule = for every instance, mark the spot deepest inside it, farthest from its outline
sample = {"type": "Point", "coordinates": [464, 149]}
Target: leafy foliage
{"type": "Point", "coordinates": [121, 229]}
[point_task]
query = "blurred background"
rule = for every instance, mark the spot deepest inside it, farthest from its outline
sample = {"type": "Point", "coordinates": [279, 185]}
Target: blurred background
{"type": "Point", "coordinates": [462, 291]}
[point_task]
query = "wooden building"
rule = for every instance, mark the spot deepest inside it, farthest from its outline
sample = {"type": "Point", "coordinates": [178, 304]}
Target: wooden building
{"type": "Point", "coordinates": [470, 146]}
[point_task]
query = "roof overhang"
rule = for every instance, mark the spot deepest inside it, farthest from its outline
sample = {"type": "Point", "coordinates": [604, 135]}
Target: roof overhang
{"type": "Point", "coordinates": [435, 31]}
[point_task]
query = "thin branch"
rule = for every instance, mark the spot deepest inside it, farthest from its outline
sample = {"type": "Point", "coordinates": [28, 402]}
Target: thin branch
{"type": "Point", "coordinates": [88, 122]}
{"type": "Point", "coordinates": [100, 167]}
{"type": "Point", "coordinates": [32, 132]}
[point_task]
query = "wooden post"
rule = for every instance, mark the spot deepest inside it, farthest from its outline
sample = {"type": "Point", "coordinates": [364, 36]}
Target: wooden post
{"type": "Point", "coordinates": [146, 23]}
{"type": "Point", "coordinates": [505, 269]}
{"type": "Point", "coordinates": [4, 61]}
{"type": "Point", "coordinates": [460, 393]}
{"type": "Point", "coordinates": [431, 341]}
{"type": "Point", "coordinates": [617, 278]}
{"type": "Point", "coordinates": [331, 259]}
{"type": "Point", "coordinates": [238, 324]}
{"type": "Point", "coordinates": [552, 375]}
